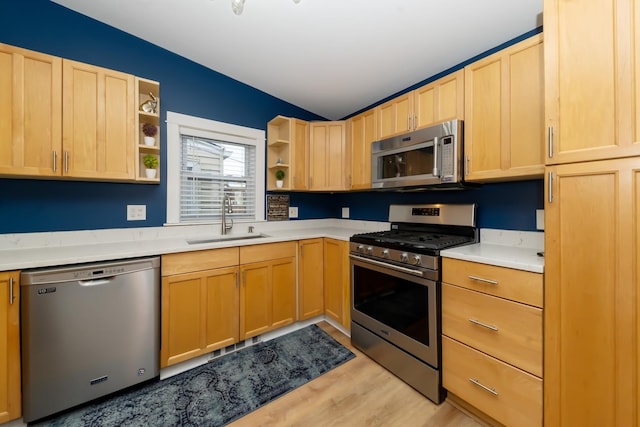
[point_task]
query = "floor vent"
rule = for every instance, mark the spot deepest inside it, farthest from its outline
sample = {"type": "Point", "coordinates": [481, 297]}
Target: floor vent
{"type": "Point", "coordinates": [234, 347]}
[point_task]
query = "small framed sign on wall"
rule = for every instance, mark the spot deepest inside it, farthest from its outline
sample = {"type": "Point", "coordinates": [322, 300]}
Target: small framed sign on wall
{"type": "Point", "coordinates": [277, 207]}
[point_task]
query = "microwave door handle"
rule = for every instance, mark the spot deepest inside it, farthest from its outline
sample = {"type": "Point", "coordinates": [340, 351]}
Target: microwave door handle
{"type": "Point", "coordinates": [436, 172]}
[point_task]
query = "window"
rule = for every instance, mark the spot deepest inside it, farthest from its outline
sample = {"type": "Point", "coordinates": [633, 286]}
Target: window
{"type": "Point", "coordinates": [208, 161]}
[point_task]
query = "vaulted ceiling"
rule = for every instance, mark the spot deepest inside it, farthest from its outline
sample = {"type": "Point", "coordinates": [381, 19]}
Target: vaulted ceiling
{"type": "Point", "coordinates": [331, 57]}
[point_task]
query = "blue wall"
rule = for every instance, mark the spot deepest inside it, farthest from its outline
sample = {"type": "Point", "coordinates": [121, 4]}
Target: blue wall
{"type": "Point", "coordinates": [188, 88]}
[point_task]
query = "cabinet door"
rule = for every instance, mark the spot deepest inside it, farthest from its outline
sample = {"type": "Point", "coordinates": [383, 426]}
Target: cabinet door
{"type": "Point", "coordinates": [440, 100]}
{"type": "Point", "coordinates": [181, 318]}
{"type": "Point", "coordinates": [31, 111]}
{"type": "Point", "coordinates": [283, 285]}
{"type": "Point", "coordinates": [222, 309]}
{"type": "Point", "coordinates": [199, 313]}
{"type": "Point", "coordinates": [299, 158]}
{"type": "Point", "coordinates": [328, 169]}
{"type": "Point", "coordinates": [591, 294]}
{"type": "Point", "coordinates": [504, 138]}
{"type": "Point", "coordinates": [310, 279]}
{"type": "Point", "coordinates": [256, 299]}
{"type": "Point", "coordinates": [337, 282]}
{"type": "Point", "coordinates": [362, 133]}
{"type": "Point", "coordinates": [10, 392]}
{"type": "Point", "coordinates": [395, 117]}
{"type": "Point", "coordinates": [98, 122]}
{"type": "Point", "coordinates": [591, 79]}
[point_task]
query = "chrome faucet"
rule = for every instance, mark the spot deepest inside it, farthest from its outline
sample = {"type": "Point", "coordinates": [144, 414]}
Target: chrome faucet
{"type": "Point", "coordinates": [226, 208]}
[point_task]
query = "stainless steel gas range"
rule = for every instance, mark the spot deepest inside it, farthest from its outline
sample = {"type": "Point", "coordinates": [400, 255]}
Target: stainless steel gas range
{"type": "Point", "coordinates": [395, 290]}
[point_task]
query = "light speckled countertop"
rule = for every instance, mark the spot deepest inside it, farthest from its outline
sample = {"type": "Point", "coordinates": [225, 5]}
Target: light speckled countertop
{"type": "Point", "coordinates": [30, 250]}
{"type": "Point", "coordinates": [504, 248]}
{"type": "Point", "coordinates": [512, 249]}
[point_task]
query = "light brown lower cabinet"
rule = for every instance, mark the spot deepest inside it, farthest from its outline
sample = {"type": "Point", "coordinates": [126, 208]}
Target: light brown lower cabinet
{"type": "Point", "coordinates": [218, 297]}
{"type": "Point", "coordinates": [337, 284]}
{"type": "Point", "coordinates": [492, 340]}
{"type": "Point", "coordinates": [268, 287]}
{"type": "Point", "coordinates": [200, 303]}
{"type": "Point", "coordinates": [310, 278]}
{"type": "Point", "coordinates": [10, 392]}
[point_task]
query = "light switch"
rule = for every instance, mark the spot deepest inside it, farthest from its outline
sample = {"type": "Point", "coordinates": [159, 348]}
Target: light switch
{"type": "Point", "coordinates": [345, 212]}
{"type": "Point", "coordinates": [293, 212]}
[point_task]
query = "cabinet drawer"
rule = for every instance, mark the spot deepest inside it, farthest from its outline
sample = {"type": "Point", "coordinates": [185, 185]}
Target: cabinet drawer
{"type": "Point", "coordinates": [512, 397]}
{"type": "Point", "coordinates": [187, 262]}
{"type": "Point", "coordinates": [267, 251]}
{"type": "Point", "coordinates": [507, 330]}
{"type": "Point", "coordinates": [516, 285]}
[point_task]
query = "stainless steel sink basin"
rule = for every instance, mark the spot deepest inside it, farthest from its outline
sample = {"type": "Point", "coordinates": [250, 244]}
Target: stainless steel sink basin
{"type": "Point", "coordinates": [227, 238]}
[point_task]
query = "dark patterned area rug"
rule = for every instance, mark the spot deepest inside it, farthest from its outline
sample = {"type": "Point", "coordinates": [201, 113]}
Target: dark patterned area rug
{"type": "Point", "coordinates": [221, 391]}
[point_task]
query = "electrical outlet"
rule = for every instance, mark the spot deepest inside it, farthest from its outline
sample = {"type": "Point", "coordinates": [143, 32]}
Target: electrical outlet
{"type": "Point", "coordinates": [136, 212]}
{"type": "Point", "coordinates": [540, 219]}
{"type": "Point", "coordinates": [345, 212]}
{"type": "Point", "coordinates": [293, 212]}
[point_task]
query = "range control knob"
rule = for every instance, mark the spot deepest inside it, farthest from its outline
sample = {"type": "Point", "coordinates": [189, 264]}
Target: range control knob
{"type": "Point", "coordinates": [370, 250]}
{"type": "Point", "coordinates": [360, 248]}
{"type": "Point", "coordinates": [385, 253]}
{"type": "Point", "coordinates": [417, 260]}
{"type": "Point", "coordinates": [404, 257]}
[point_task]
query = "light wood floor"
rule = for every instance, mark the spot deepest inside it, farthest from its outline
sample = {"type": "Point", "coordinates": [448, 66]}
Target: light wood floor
{"type": "Point", "coordinates": [358, 393]}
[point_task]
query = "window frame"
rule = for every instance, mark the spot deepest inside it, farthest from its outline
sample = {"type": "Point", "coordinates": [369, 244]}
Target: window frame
{"type": "Point", "coordinates": [178, 124]}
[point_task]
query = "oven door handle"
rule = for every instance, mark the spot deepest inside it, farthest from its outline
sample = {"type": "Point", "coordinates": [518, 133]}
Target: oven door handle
{"type": "Point", "coordinates": [389, 266]}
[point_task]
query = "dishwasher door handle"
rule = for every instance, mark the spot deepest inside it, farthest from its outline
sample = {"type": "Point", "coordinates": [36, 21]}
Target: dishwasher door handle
{"type": "Point", "coordinates": [96, 282]}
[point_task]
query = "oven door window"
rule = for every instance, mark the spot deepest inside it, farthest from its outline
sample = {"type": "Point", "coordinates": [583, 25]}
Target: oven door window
{"type": "Point", "coordinates": [394, 301]}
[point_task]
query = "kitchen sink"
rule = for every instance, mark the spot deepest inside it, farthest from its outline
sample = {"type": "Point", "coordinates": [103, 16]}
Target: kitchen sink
{"type": "Point", "coordinates": [227, 238]}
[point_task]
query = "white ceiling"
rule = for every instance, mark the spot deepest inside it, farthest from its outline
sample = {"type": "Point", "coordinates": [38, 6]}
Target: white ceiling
{"type": "Point", "coordinates": [331, 57]}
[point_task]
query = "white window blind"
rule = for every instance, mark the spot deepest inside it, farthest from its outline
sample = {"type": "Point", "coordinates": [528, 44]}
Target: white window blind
{"type": "Point", "coordinates": [211, 170]}
{"type": "Point", "coordinates": [208, 160]}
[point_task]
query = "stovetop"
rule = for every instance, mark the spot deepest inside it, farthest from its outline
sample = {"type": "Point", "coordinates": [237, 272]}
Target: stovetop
{"type": "Point", "coordinates": [414, 241]}
{"type": "Point", "coordinates": [421, 229]}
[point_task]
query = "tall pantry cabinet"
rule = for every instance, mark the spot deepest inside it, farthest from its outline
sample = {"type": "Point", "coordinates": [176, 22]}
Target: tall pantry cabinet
{"type": "Point", "coordinates": [592, 206]}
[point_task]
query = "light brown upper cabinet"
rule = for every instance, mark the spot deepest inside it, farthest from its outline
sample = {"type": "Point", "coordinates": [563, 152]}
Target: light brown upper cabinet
{"type": "Point", "coordinates": [592, 80]}
{"type": "Point", "coordinates": [98, 122]}
{"type": "Point", "coordinates": [362, 133]}
{"type": "Point", "coordinates": [328, 156]}
{"type": "Point", "coordinates": [504, 111]}
{"type": "Point", "coordinates": [30, 112]}
{"type": "Point", "coordinates": [440, 100]}
{"type": "Point", "coordinates": [287, 147]}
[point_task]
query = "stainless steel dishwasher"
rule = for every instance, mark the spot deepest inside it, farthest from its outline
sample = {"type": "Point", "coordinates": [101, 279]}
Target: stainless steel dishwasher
{"type": "Point", "coordinates": [88, 330]}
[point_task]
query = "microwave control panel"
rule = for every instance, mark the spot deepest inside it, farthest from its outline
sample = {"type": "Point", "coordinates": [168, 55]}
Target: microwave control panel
{"type": "Point", "coordinates": [448, 159]}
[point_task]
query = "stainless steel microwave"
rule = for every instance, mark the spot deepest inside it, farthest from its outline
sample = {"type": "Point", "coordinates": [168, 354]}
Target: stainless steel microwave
{"type": "Point", "coordinates": [426, 157]}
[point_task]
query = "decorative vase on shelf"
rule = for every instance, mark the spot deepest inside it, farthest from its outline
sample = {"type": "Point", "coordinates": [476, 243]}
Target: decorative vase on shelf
{"type": "Point", "coordinates": [150, 173]}
{"type": "Point", "coordinates": [150, 131]}
{"type": "Point", "coordinates": [279, 178]}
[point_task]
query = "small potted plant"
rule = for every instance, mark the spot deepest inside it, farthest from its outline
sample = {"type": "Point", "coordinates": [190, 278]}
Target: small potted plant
{"type": "Point", "coordinates": [150, 163]}
{"type": "Point", "coordinates": [150, 131]}
{"type": "Point", "coordinates": [279, 178]}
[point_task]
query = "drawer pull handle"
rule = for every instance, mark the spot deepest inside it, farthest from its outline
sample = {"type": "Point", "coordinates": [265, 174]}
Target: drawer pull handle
{"type": "Point", "coordinates": [484, 387]}
{"type": "Point", "coordinates": [484, 325]}
{"type": "Point", "coordinates": [480, 279]}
